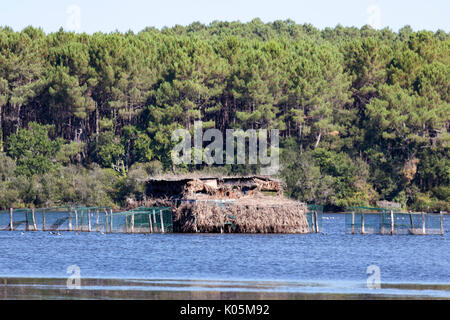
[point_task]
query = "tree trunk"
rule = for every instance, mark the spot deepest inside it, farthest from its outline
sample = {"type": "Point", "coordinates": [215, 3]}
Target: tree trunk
{"type": "Point", "coordinates": [318, 139]}
{"type": "Point", "coordinates": [97, 123]}
{"type": "Point", "coordinates": [300, 127]}
{"type": "Point", "coordinates": [19, 123]}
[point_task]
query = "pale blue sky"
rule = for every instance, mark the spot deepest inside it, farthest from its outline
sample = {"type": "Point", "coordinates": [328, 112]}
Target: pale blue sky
{"type": "Point", "coordinates": [111, 15]}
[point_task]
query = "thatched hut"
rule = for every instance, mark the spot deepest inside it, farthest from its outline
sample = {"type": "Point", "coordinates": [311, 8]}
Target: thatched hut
{"type": "Point", "coordinates": [251, 204]}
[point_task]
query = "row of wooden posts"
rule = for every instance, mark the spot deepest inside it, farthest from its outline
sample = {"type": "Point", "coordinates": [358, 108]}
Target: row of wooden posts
{"type": "Point", "coordinates": [392, 231]}
{"type": "Point", "coordinates": [151, 222]}
{"type": "Point", "coordinates": [33, 226]}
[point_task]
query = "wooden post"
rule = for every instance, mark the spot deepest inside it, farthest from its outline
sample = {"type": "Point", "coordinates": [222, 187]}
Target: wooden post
{"type": "Point", "coordinates": [106, 221]}
{"type": "Point", "coordinates": [43, 220]}
{"type": "Point", "coordinates": [412, 223]}
{"type": "Point", "coordinates": [27, 223]}
{"type": "Point", "coordinates": [424, 230]}
{"type": "Point", "coordinates": [111, 221]}
{"type": "Point", "coordinates": [89, 221]}
{"type": "Point", "coordinates": [11, 220]}
{"type": "Point", "coordinates": [154, 217]}
{"type": "Point", "coordinates": [70, 221]}
{"type": "Point", "coordinates": [76, 220]}
{"type": "Point", "coordinates": [442, 222]}
{"type": "Point", "coordinates": [162, 221]}
{"type": "Point", "coordinates": [97, 228]}
{"type": "Point", "coordinates": [316, 221]}
{"type": "Point", "coordinates": [34, 220]}
{"type": "Point", "coordinates": [150, 222]}
{"type": "Point", "coordinates": [132, 223]}
{"type": "Point", "coordinates": [353, 222]}
{"type": "Point", "coordinates": [392, 222]}
{"type": "Point", "coordinates": [363, 229]}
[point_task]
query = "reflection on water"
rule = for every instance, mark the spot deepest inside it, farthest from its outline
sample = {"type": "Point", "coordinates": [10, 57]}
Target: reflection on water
{"type": "Point", "coordinates": [27, 288]}
{"type": "Point", "coordinates": [230, 266]}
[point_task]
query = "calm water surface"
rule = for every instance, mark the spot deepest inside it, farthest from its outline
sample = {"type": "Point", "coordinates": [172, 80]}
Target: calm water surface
{"type": "Point", "coordinates": [330, 262]}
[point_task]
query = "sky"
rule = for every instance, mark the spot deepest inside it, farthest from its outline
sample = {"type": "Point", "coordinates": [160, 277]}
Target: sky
{"type": "Point", "coordinates": [110, 15]}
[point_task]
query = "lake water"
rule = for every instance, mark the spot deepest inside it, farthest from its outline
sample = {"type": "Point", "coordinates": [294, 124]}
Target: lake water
{"type": "Point", "coordinates": [332, 262]}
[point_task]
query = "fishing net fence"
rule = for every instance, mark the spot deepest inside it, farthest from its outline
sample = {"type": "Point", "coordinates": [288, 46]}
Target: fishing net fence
{"type": "Point", "coordinates": [88, 219]}
{"type": "Point", "coordinates": [366, 220]}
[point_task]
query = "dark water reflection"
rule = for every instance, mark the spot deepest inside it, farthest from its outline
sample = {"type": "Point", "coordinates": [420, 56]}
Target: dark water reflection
{"type": "Point", "coordinates": [28, 288]}
{"type": "Point", "coordinates": [332, 264]}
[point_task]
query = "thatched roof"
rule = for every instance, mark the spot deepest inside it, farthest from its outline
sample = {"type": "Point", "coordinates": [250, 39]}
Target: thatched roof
{"type": "Point", "coordinates": [185, 178]}
{"type": "Point", "coordinates": [189, 187]}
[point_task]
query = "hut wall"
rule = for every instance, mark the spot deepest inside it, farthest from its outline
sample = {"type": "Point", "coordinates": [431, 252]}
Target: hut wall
{"type": "Point", "coordinates": [238, 218]}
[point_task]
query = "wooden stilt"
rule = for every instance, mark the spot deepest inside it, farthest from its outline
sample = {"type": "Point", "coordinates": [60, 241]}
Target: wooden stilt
{"type": "Point", "coordinates": [11, 219]}
{"type": "Point", "coordinates": [89, 221]}
{"type": "Point", "coordinates": [353, 223]}
{"type": "Point", "coordinates": [34, 220]}
{"type": "Point", "coordinates": [132, 223]}
{"type": "Point", "coordinates": [392, 222]}
{"type": "Point", "coordinates": [442, 222]}
{"type": "Point", "coordinates": [81, 222]}
{"type": "Point", "coordinates": [70, 221]}
{"type": "Point", "coordinates": [412, 223]}
{"type": "Point", "coordinates": [162, 221]}
{"type": "Point", "coordinates": [154, 217]}
{"type": "Point", "coordinates": [424, 230]}
{"type": "Point", "coordinates": [27, 223]}
{"type": "Point", "coordinates": [43, 220]}
{"type": "Point", "coordinates": [97, 228]}
{"type": "Point", "coordinates": [363, 229]}
{"type": "Point", "coordinates": [111, 221]}
{"type": "Point", "coordinates": [76, 220]}
{"type": "Point", "coordinates": [316, 219]}
{"type": "Point", "coordinates": [150, 223]}
{"type": "Point", "coordinates": [106, 221]}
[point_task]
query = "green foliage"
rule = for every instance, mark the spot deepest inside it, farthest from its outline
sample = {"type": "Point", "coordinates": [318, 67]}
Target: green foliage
{"type": "Point", "coordinates": [138, 145]}
{"type": "Point", "coordinates": [326, 177]}
{"type": "Point", "coordinates": [68, 152]}
{"type": "Point", "coordinates": [304, 179]}
{"type": "Point", "coordinates": [363, 114]}
{"type": "Point", "coordinates": [33, 150]}
{"type": "Point", "coordinates": [107, 150]}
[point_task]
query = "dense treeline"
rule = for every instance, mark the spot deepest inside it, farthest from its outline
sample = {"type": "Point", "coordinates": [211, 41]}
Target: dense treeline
{"type": "Point", "coordinates": [363, 114]}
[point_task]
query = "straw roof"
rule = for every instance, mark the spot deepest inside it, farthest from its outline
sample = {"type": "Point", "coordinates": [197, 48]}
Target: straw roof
{"type": "Point", "coordinates": [194, 176]}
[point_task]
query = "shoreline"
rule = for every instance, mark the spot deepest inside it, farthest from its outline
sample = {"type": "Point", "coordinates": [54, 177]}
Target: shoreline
{"type": "Point", "coordinates": [22, 288]}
